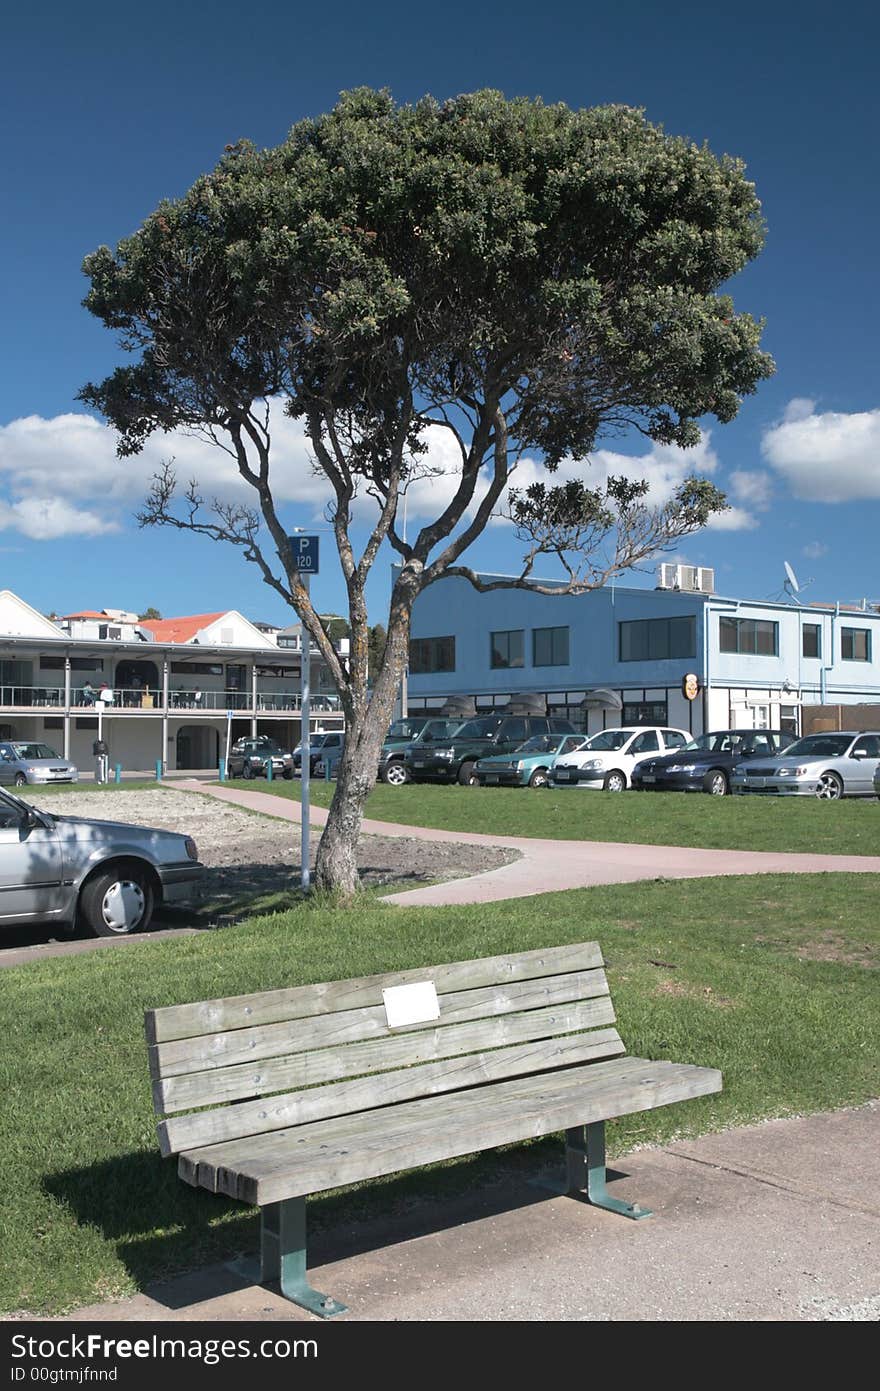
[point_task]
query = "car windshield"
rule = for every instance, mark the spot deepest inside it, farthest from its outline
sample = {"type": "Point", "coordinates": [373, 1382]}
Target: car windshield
{"type": "Point", "coordinates": [34, 751]}
{"type": "Point", "coordinates": [438, 729]}
{"type": "Point", "coordinates": [478, 729]}
{"type": "Point", "coordinates": [408, 729]}
{"type": "Point", "coordinates": [820, 746]}
{"type": "Point", "coordinates": [609, 740]}
{"type": "Point", "coordinates": [724, 742]}
{"type": "Point", "coordinates": [540, 743]}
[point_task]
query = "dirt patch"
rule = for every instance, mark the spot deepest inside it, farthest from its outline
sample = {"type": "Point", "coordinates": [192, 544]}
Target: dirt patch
{"type": "Point", "coordinates": [833, 947]}
{"type": "Point", "coordinates": [679, 990]}
{"type": "Point", "coordinates": [250, 857]}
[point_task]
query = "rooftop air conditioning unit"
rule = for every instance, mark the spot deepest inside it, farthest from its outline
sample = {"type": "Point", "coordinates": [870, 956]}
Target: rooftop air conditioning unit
{"type": "Point", "coordinates": [695, 579]}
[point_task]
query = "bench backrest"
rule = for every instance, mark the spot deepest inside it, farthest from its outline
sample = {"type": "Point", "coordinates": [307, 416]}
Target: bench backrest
{"type": "Point", "coordinates": [315, 1051]}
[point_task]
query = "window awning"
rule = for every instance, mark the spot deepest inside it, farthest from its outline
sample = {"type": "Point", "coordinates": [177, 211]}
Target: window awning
{"type": "Point", "coordinates": [602, 699]}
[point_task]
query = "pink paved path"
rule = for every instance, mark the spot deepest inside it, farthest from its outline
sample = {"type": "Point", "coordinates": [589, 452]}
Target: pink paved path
{"type": "Point", "coordinates": [546, 865]}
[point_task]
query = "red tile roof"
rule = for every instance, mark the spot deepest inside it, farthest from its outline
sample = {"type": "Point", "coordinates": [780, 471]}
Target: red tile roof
{"type": "Point", "coordinates": [86, 613]}
{"type": "Point", "coordinates": [180, 629]}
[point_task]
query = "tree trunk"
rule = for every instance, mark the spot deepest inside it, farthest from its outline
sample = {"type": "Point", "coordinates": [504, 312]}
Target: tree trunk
{"type": "Point", "coordinates": [367, 723]}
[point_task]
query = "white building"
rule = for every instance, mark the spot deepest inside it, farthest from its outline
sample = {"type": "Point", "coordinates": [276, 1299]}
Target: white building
{"type": "Point", "coordinates": [175, 689]}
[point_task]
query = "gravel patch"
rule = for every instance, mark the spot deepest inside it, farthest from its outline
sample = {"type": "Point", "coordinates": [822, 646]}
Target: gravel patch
{"type": "Point", "coordinates": [249, 855]}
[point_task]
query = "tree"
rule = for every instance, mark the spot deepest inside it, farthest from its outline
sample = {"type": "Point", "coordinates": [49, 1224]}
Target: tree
{"type": "Point", "coordinates": [149, 615]}
{"type": "Point", "coordinates": [519, 277]}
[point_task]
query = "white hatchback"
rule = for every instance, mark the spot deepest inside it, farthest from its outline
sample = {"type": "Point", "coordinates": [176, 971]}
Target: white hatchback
{"type": "Point", "coordinates": [607, 759]}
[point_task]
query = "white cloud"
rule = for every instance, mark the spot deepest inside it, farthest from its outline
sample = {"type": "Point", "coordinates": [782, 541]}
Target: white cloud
{"type": "Point", "coordinates": [814, 550]}
{"type": "Point", "coordinates": [830, 457]}
{"type": "Point", "coordinates": [734, 519]}
{"type": "Point", "coordinates": [47, 518]}
{"type": "Point", "coordinates": [754, 488]}
{"type": "Point", "coordinates": [50, 466]}
{"type": "Point", "coordinates": [62, 476]}
{"type": "Point", "coordinates": [799, 408]}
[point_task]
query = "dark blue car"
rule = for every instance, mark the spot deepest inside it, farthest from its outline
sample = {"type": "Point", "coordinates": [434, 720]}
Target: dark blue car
{"type": "Point", "coordinates": [706, 763]}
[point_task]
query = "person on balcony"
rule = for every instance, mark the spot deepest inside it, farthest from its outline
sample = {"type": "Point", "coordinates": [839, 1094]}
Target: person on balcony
{"type": "Point", "coordinates": [88, 693]}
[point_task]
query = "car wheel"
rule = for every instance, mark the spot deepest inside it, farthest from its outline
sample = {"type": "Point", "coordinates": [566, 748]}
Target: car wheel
{"type": "Point", "coordinates": [396, 774]}
{"type": "Point", "coordinates": [615, 781]}
{"type": "Point", "coordinates": [247, 772]}
{"type": "Point", "coordinates": [830, 787]}
{"type": "Point", "coordinates": [287, 774]}
{"type": "Point", "coordinates": [467, 777]}
{"type": "Point", "coordinates": [117, 901]}
{"type": "Point", "coordinates": [716, 782]}
{"type": "Point", "coordinates": [540, 778]}
{"type": "Point", "coordinates": [20, 780]}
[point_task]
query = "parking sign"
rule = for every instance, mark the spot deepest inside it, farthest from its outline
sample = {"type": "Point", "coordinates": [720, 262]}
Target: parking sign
{"type": "Point", "coordinates": [305, 553]}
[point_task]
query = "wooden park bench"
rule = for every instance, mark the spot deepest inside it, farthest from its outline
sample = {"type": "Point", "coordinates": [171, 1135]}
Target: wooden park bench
{"type": "Point", "coordinates": [321, 1085]}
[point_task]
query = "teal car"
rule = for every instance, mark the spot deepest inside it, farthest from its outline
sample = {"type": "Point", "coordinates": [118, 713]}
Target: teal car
{"type": "Point", "coordinates": [530, 764]}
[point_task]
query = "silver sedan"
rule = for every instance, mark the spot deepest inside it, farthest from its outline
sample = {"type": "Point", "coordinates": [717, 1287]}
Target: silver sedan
{"type": "Point", "coordinates": [103, 874]}
{"type": "Point", "coordinates": [832, 765]}
{"type": "Point", "coordinates": [24, 761]}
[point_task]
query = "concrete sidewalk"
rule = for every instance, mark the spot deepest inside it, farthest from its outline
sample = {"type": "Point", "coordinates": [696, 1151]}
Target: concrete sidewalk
{"type": "Point", "coordinates": [779, 1221]}
{"type": "Point", "coordinates": [546, 865]}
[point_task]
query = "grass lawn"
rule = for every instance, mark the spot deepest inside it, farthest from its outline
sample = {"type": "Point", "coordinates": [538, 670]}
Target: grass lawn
{"type": "Point", "coordinates": [658, 818]}
{"type": "Point", "coordinates": [772, 979]}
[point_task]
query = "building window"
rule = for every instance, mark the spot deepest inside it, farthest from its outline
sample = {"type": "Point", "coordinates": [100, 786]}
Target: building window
{"type": "Point", "coordinates": [196, 669]}
{"type": "Point", "coordinates": [754, 636]}
{"type": "Point", "coordinates": [645, 712]}
{"type": "Point", "coordinates": [53, 722]}
{"type": "Point", "coordinates": [431, 654]}
{"type": "Point", "coordinates": [550, 647]}
{"type": "Point", "coordinates": [76, 663]}
{"type": "Point", "coordinates": [507, 649]}
{"type": "Point", "coordinates": [652, 639]}
{"type": "Point", "coordinates": [812, 640]}
{"type": "Point", "coordinates": [85, 722]}
{"type": "Point", "coordinates": [855, 644]}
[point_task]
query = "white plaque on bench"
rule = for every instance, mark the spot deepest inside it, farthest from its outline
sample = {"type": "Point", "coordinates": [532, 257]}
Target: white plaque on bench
{"type": "Point", "coordinates": [411, 1004]}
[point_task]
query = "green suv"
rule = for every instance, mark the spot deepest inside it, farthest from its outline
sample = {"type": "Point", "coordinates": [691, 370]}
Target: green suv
{"type": "Point", "coordinates": [485, 737]}
{"type": "Point", "coordinates": [403, 737]}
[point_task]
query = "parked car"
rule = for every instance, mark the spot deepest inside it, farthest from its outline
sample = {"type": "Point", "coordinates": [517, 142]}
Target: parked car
{"type": "Point", "coordinates": [475, 739]}
{"type": "Point", "coordinates": [402, 739]}
{"type": "Point", "coordinates": [25, 762]}
{"type": "Point", "coordinates": [607, 759]}
{"type": "Point", "coordinates": [707, 762]}
{"type": "Point", "coordinates": [829, 766]}
{"type": "Point", "coordinates": [107, 875]}
{"type": "Point", "coordinates": [250, 758]}
{"type": "Point", "coordinates": [332, 741]}
{"type": "Point", "coordinates": [530, 764]}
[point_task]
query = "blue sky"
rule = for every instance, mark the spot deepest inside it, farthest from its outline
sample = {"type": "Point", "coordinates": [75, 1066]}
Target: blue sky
{"type": "Point", "coordinates": [106, 109]}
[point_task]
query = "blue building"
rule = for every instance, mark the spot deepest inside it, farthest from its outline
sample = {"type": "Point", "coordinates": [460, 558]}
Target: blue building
{"type": "Point", "coordinates": [621, 655]}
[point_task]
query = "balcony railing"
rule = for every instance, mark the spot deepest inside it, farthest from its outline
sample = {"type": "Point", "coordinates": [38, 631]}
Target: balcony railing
{"type": "Point", "coordinates": [190, 699]}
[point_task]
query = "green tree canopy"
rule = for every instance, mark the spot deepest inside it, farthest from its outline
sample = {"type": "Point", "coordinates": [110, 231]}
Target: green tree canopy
{"type": "Point", "coordinates": [525, 277]}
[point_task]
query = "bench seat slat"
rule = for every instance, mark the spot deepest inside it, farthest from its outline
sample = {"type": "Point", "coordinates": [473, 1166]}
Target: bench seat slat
{"type": "Point", "coordinates": [383, 1089]}
{"type": "Point", "coordinates": [304, 1001]}
{"type": "Point", "coordinates": [236, 1083]}
{"type": "Point", "coordinates": [325, 1154]}
{"type": "Point", "coordinates": [350, 1026]}
{"type": "Point", "coordinates": [261, 1155]}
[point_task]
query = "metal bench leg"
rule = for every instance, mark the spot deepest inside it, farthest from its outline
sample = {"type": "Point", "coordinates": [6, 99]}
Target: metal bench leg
{"type": "Point", "coordinates": [585, 1162]}
{"type": "Point", "coordinates": [283, 1257]}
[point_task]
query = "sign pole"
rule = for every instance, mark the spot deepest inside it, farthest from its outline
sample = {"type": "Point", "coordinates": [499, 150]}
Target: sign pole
{"type": "Point", "coordinates": [305, 748]}
{"type": "Point", "coordinates": [305, 550]}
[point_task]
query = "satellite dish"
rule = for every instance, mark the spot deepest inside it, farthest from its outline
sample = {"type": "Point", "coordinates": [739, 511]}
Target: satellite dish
{"type": "Point", "coordinates": [791, 578]}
